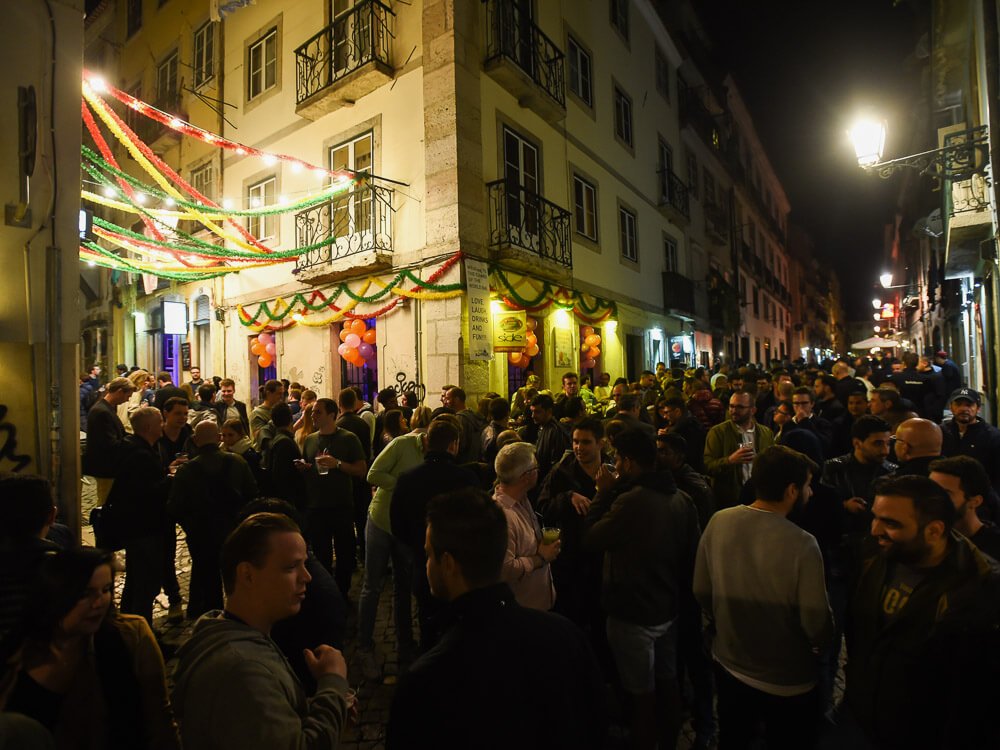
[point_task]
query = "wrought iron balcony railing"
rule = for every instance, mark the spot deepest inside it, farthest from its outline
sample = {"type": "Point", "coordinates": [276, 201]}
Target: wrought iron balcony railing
{"type": "Point", "coordinates": [523, 219]}
{"type": "Point", "coordinates": [716, 219]}
{"type": "Point", "coordinates": [350, 224]}
{"type": "Point", "coordinates": [512, 35]}
{"type": "Point", "coordinates": [674, 193]}
{"type": "Point", "coordinates": [678, 292]}
{"type": "Point", "coordinates": [353, 39]}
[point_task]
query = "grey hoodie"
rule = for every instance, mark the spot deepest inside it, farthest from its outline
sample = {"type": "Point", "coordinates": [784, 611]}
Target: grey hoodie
{"type": "Point", "coordinates": [234, 689]}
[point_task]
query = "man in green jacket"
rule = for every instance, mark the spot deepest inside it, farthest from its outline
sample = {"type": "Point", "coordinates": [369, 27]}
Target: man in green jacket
{"type": "Point", "coordinates": [730, 449]}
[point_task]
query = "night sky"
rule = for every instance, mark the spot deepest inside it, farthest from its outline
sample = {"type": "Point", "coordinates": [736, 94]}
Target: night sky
{"type": "Point", "coordinates": [804, 68]}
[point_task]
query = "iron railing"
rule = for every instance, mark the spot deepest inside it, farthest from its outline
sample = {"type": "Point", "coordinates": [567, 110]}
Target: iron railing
{"type": "Point", "coordinates": [678, 292]}
{"type": "Point", "coordinates": [352, 223]}
{"type": "Point", "coordinates": [523, 219]}
{"type": "Point", "coordinates": [353, 39]}
{"type": "Point", "coordinates": [674, 193]}
{"type": "Point", "coordinates": [511, 34]}
{"type": "Point", "coordinates": [716, 219]}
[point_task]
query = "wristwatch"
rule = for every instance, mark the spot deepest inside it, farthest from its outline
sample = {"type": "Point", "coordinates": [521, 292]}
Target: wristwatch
{"type": "Point", "coordinates": [338, 464]}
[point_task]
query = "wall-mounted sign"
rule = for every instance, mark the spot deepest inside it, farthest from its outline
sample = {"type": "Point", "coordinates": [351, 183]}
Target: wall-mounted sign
{"type": "Point", "coordinates": [174, 318]}
{"type": "Point", "coordinates": [510, 330]}
{"type": "Point", "coordinates": [563, 348]}
{"type": "Point", "coordinates": [477, 288]}
{"type": "Point", "coordinates": [185, 356]}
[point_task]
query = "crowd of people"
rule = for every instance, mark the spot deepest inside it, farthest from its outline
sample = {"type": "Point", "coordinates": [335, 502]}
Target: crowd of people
{"type": "Point", "coordinates": [585, 561]}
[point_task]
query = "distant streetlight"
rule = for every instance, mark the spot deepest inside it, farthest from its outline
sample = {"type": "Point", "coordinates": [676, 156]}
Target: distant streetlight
{"type": "Point", "coordinates": [876, 303]}
{"type": "Point", "coordinates": [886, 280]}
{"type": "Point", "coordinates": [877, 316]}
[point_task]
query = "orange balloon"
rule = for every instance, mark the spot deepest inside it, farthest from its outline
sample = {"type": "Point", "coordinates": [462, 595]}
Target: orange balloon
{"type": "Point", "coordinates": [369, 336]}
{"type": "Point", "coordinates": [345, 332]}
{"type": "Point", "coordinates": [264, 360]}
{"type": "Point", "coordinates": [531, 339]}
{"type": "Point", "coordinates": [531, 324]}
{"type": "Point", "coordinates": [256, 348]}
{"type": "Point", "coordinates": [587, 331]}
{"type": "Point", "coordinates": [532, 350]}
{"type": "Point", "coordinates": [593, 353]}
{"type": "Point", "coordinates": [515, 357]}
{"type": "Point", "coordinates": [358, 327]}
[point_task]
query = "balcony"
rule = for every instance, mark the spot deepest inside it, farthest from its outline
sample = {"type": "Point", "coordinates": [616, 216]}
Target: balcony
{"type": "Point", "coordinates": [694, 114]}
{"type": "Point", "coordinates": [346, 60]}
{"type": "Point", "coordinates": [674, 197]}
{"type": "Point", "coordinates": [716, 222]}
{"type": "Point", "coordinates": [723, 303]}
{"type": "Point", "coordinates": [350, 232]}
{"type": "Point", "coordinates": [678, 292]}
{"type": "Point", "coordinates": [520, 57]}
{"type": "Point", "coordinates": [525, 229]}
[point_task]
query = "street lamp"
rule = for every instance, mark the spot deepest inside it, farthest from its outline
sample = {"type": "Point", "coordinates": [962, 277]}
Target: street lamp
{"type": "Point", "coordinates": [886, 280]}
{"type": "Point", "coordinates": [964, 153]}
{"type": "Point", "coordinates": [876, 303]}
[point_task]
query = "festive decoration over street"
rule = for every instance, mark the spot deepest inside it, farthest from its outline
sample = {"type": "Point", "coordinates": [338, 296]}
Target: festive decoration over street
{"type": "Point", "coordinates": [590, 347]}
{"type": "Point", "coordinates": [535, 295]}
{"type": "Point", "coordinates": [164, 248]}
{"type": "Point", "coordinates": [264, 349]}
{"type": "Point", "coordinates": [281, 313]}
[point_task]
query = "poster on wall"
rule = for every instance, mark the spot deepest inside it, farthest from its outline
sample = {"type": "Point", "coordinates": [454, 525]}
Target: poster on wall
{"type": "Point", "coordinates": [510, 330]}
{"type": "Point", "coordinates": [477, 288]}
{"type": "Point", "coordinates": [563, 348]}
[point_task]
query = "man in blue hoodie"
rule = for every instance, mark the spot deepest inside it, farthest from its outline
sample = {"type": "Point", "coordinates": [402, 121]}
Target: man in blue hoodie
{"type": "Point", "coordinates": [233, 687]}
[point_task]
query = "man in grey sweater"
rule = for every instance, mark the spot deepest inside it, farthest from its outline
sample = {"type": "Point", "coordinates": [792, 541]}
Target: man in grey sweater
{"type": "Point", "coordinates": [759, 580]}
{"type": "Point", "coordinates": [234, 688]}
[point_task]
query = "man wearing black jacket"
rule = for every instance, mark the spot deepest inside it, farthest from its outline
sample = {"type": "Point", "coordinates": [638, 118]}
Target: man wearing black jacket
{"type": "Point", "coordinates": [917, 443]}
{"type": "Point", "coordinates": [228, 407]}
{"type": "Point", "coordinates": [684, 425]}
{"type": "Point", "coordinates": [284, 478]}
{"type": "Point", "coordinates": [536, 664]}
{"type": "Point", "coordinates": [439, 473]}
{"type": "Point", "coordinates": [138, 502]}
{"type": "Point", "coordinates": [969, 435]}
{"type": "Point", "coordinates": [105, 433]}
{"type": "Point", "coordinates": [648, 532]}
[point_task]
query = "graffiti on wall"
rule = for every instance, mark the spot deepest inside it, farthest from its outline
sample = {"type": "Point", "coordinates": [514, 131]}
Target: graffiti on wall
{"type": "Point", "coordinates": [403, 385]}
{"type": "Point", "coordinates": [8, 443]}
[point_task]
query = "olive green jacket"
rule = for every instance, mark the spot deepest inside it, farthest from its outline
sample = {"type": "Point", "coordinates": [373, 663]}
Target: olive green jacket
{"type": "Point", "coordinates": [720, 443]}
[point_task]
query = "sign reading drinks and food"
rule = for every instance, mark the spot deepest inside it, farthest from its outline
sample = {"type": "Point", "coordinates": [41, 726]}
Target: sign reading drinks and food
{"type": "Point", "coordinates": [477, 286]}
{"type": "Point", "coordinates": [510, 330]}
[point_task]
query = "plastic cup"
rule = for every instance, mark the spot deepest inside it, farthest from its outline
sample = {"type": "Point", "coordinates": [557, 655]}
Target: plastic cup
{"type": "Point", "coordinates": [550, 534]}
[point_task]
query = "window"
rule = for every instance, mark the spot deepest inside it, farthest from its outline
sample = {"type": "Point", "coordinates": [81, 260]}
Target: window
{"type": "Point", "coordinates": [166, 80]}
{"type": "Point", "coordinates": [692, 164]}
{"type": "Point", "coordinates": [133, 17]}
{"type": "Point", "coordinates": [259, 195]}
{"type": "Point", "coordinates": [585, 207]}
{"type": "Point", "coordinates": [619, 16]}
{"type": "Point", "coordinates": [352, 212]}
{"type": "Point", "coordinates": [756, 302]}
{"type": "Point", "coordinates": [623, 117]}
{"type": "Point", "coordinates": [627, 238]}
{"type": "Point", "coordinates": [262, 65]}
{"type": "Point", "coordinates": [203, 180]}
{"type": "Point", "coordinates": [662, 74]}
{"type": "Point", "coordinates": [664, 168]}
{"type": "Point", "coordinates": [204, 54]}
{"type": "Point", "coordinates": [580, 82]}
{"type": "Point", "coordinates": [709, 186]}
{"type": "Point", "coordinates": [670, 254]}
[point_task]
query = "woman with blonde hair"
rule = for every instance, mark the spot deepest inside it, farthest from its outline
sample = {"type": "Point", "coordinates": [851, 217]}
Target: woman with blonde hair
{"type": "Point", "coordinates": [138, 379]}
{"type": "Point", "coordinates": [304, 426]}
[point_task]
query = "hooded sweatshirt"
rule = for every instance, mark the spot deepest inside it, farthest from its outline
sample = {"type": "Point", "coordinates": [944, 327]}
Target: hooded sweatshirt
{"type": "Point", "coordinates": [234, 689]}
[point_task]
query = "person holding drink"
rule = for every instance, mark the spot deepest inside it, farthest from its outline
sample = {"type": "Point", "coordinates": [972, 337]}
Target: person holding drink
{"type": "Point", "coordinates": [527, 564]}
{"type": "Point", "coordinates": [730, 449]}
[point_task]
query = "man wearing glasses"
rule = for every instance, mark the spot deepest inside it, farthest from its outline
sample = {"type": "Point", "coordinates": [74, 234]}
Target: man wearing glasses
{"type": "Point", "coordinates": [730, 449]}
{"type": "Point", "coordinates": [916, 443]}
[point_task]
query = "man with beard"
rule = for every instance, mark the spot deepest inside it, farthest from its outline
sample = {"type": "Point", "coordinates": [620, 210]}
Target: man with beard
{"type": "Point", "coordinates": [730, 448]}
{"type": "Point", "coordinates": [923, 629]}
{"type": "Point", "coordinates": [917, 442]}
{"type": "Point", "coordinates": [759, 580]}
{"type": "Point", "coordinates": [967, 434]}
{"type": "Point", "coordinates": [966, 483]}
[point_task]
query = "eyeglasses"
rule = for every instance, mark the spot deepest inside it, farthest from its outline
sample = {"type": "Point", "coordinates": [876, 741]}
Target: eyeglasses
{"type": "Point", "coordinates": [893, 440]}
{"type": "Point", "coordinates": [533, 468]}
{"type": "Point", "coordinates": [801, 403]}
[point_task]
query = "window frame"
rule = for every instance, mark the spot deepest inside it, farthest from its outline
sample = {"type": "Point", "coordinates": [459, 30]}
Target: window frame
{"type": "Point", "coordinates": [262, 236]}
{"type": "Point", "coordinates": [261, 41]}
{"type": "Point", "coordinates": [586, 185]}
{"type": "Point", "coordinates": [621, 114]}
{"type": "Point", "coordinates": [619, 17]}
{"type": "Point", "coordinates": [661, 72]}
{"type": "Point", "coordinates": [628, 228]}
{"type": "Point", "coordinates": [133, 18]}
{"type": "Point", "coordinates": [199, 170]}
{"type": "Point", "coordinates": [692, 168]}
{"type": "Point", "coordinates": [585, 97]}
{"type": "Point", "coordinates": [203, 71]}
{"type": "Point", "coordinates": [671, 254]}
{"type": "Point", "coordinates": [172, 60]}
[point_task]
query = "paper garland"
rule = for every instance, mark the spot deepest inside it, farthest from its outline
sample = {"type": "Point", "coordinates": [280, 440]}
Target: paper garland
{"type": "Point", "coordinates": [548, 294]}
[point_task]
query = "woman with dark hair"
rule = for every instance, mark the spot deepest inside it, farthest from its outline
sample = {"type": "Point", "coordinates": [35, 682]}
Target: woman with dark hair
{"type": "Point", "coordinates": [93, 677]}
{"type": "Point", "coordinates": [393, 425]}
{"type": "Point", "coordinates": [235, 440]}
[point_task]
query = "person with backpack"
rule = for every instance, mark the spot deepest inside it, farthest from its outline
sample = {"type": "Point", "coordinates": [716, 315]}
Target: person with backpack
{"type": "Point", "coordinates": [280, 477]}
{"type": "Point", "coordinates": [206, 497]}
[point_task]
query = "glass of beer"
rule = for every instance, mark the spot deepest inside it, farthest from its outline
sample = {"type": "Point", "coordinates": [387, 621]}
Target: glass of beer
{"type": "Point", "coordinates": [550, 534]}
